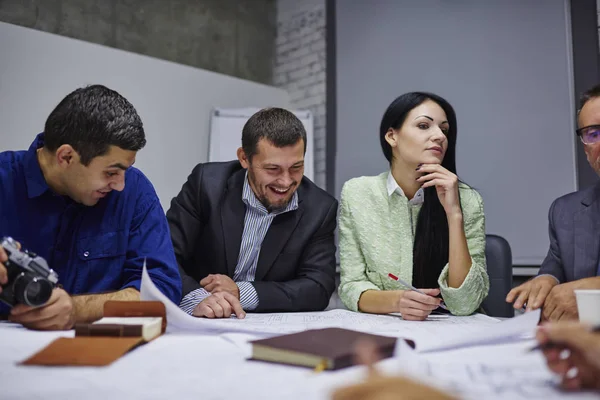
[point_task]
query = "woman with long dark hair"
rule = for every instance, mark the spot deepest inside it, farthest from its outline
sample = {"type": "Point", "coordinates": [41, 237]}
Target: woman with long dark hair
{"type": "Point", "coordinates": [417, 221]}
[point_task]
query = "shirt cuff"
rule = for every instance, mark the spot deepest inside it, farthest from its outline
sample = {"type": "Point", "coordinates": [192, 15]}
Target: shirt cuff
{"type": "Point", "coordinates": [248, 296]}
{"type": "Point", "coordinates": [192, 299]}
{"type": "Point", "coordinates": [137, 285]}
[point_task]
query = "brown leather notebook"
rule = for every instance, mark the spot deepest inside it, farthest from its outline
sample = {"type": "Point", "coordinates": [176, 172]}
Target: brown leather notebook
{"type": "Point", "coordinates": [146, 327]}
{"type": "Point", "coordinates": [136, 309]}
{"type": "Point", "coordinates": [145, 319]}
{"type": "Point", "coordinates": [97, 345]}
{"type": "Point", "coordinates": [84, 351]}
{"type": "Point", "coordinates": [330, 348]}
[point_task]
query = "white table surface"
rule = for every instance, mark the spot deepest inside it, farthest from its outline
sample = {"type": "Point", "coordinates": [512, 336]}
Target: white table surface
{"type": "Point", "coordinates": [187, 366]}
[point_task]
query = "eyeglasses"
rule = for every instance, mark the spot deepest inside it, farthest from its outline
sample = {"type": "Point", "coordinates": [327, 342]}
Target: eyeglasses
{"type": "Point", "coordinates": [589, 134]}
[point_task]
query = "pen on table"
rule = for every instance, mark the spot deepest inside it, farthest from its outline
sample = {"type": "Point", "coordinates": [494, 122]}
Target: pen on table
{"type": "Point", "coordinates": [550, 345]}
{"type": "Point", "coordinates": [394, 277]}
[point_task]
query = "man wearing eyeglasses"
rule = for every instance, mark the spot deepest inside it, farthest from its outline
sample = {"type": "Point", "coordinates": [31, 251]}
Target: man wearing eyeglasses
{"type": "Point", "coordinates": [574, 227]}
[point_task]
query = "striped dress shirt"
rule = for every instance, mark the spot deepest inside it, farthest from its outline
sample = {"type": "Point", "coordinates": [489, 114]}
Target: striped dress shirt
{"type": "Point", "coordinates": [257, 221]}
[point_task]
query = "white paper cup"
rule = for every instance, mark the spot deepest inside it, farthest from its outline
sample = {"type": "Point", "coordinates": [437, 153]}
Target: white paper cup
{"type": "Point", "coordinates": [588, 305]}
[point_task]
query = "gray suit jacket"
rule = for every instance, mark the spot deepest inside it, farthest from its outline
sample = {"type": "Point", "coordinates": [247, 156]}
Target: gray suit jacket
{"type": "Point", "coordinates": [574, 228]}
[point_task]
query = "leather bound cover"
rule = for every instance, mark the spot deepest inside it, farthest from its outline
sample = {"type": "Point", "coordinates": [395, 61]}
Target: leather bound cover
{"type": "Point", "coordinates": [98, 350]}
{"type": "Point", "coordinates": [336, 345]}
{"type": "Point", "coordinates": [108, 330]}
{"type": "Point", "coordinates": [136, 309]}
{"type": "Point", "coordinates": [88, 351]}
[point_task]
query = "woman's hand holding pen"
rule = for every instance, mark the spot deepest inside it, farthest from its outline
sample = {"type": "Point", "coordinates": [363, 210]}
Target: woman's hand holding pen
{"type": "Point", "coordinates": [415, 306]}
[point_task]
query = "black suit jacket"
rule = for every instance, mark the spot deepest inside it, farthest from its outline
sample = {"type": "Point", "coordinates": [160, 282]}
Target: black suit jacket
{"type": "Point", "coordinates": [574, 226]}
{"type": "Point", "coordinates": [296, 265]}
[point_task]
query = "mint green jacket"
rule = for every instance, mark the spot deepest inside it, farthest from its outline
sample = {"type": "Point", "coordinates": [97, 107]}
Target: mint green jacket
{"type": "Point", "coordinates": [376, 238]}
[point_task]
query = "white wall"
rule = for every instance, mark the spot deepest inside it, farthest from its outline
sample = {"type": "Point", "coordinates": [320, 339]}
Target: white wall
{"type": "Point", "coordinates": [38, 69]}
{"type": "Point", "coordinates": [505, 66]}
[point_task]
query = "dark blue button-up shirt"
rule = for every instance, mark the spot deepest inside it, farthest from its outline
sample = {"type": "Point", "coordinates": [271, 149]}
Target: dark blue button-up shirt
{"type": "Point", "coordinates": [93, 249]}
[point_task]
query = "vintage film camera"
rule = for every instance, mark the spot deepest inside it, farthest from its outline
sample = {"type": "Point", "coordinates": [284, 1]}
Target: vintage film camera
{"type": "Point", "coordinates": [30, 280]}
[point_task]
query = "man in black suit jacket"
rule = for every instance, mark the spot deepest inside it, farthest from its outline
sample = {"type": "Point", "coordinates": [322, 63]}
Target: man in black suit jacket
{"type": "Point", "coordinates": [573, 260]}
{"type": "Point", "coordinates": [255, 234]}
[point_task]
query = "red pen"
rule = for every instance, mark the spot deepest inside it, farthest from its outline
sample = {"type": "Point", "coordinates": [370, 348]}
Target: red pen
{"type": "Point", "coordinates": [394, 277]}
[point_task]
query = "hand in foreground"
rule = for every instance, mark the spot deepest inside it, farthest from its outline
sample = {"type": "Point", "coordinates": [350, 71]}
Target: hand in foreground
{"type": "Point", "coordinates": [216, 283]}
{"type": "Point", "coordinates": [574, 354]}
{"type": "Point", "coordinates": [3, 274]}
{"type": "Point", "coordinates": [561, 303]}
{"type": "Point", "coordinates": [57, 314]}
{"type": "Point", "coordinates": [380, 387]}
{"type": "Point", "coordinates": [533, 292]}
{"type": "Point", "coordinates": [219, 305]}
{"type": "Point", "coordinates": [415, 306]}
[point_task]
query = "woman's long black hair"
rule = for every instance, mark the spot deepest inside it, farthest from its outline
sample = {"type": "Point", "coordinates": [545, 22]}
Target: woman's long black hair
{"type": "Point", "coordinates": [431, 247]}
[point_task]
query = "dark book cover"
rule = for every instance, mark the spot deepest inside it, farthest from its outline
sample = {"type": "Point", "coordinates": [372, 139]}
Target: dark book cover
{"type": "Point", "coordinates": [333, 344]}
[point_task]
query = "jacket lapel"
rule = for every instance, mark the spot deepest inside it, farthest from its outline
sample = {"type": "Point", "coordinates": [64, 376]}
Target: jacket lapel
{"type": "Point", "coordinates": [277, 236]}
{"type": "Point", "coordinates": [586, 240]}
{"type": "Point", "coordinates": [233, 211]}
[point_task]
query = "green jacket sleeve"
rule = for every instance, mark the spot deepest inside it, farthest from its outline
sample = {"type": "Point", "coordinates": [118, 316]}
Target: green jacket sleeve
{"type": "Point", "coordinates": [467, 298]}
{"type": "Point", "coordinates": [353, 278]}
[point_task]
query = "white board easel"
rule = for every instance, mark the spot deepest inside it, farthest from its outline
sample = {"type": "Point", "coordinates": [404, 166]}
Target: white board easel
{"type": "Point", "coordinates": [226, 134]}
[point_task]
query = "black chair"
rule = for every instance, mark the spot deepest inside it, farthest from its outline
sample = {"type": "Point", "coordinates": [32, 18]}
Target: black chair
{"type": "Point", "coordinates": [499, 268]}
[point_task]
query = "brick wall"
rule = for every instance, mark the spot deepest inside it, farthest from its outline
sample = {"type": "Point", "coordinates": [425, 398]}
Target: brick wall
{"type": "Point", "coordinates": [598, 11]}
{"type": "Point", "coordinates": [300, 65]}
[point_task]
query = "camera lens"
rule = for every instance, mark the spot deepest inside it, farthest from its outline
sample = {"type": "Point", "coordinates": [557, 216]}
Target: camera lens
{"type": "Point", "coordinates": [38, 292]}
{"type": "Point", "coordinates": [33, 291]}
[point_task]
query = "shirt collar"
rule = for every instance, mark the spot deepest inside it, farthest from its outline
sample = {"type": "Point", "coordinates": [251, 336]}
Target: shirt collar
{"type": "Point", "coordinates": [251, 200]}
{"type": "Point", "coordinates": [34, 178]}
{"type": "Point", "coordinates": [393, 187]}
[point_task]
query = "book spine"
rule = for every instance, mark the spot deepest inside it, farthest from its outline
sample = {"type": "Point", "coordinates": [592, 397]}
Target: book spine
{"type": "Point", "coordinates": [114, 330]}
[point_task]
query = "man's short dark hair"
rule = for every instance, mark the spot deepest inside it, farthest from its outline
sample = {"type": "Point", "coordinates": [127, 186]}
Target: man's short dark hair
{"type": "Point", "coordinates": [91, 119]}
{"type": "Point", "coordinates": [589, 95]}
{"type": "Point", "coordinates": [279, 126]}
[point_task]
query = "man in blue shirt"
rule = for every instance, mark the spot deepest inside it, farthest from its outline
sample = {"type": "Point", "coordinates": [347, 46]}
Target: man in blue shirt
{"type": "Point", "coordinates": [65, 199]}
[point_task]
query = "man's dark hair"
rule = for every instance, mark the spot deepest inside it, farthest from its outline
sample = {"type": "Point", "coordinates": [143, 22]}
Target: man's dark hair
{"type": "Point", "coordinates": [589, 95]}
{"type": "Point", "coordinates": [279, 126]}
{"type": "Point", "coordinates": [91, 119]}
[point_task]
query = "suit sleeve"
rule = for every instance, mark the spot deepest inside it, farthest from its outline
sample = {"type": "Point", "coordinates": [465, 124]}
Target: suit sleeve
{"type": "Point", "coordinates": [185, 223]}
{"type": "Point", "coordinates": [314, 283]}
{"type": "Point", "coordinates": [552, 264]}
